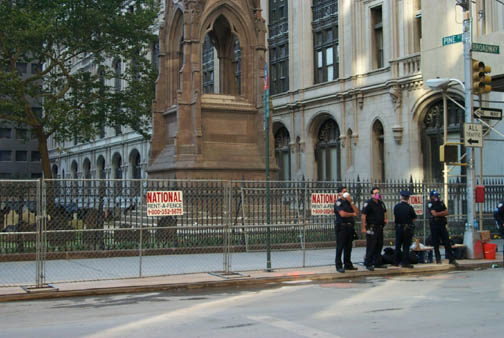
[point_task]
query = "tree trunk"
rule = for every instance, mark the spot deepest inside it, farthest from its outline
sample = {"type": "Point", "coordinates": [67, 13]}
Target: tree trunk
{"type": "Point", "coordinates": [44, 152]}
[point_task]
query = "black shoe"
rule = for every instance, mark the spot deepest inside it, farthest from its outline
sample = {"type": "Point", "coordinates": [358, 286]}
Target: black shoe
{"type": "Point", "coordinates": [381, 266]}
{"type": "Point", "coordinates": [370, 267]}
{"type": "Point", "coordinates": [350, 268]}
{"type": "Point", "coordinates": [454, 262]}
{"type": "Point", "coordinates": [395, 264]}
{"type": "Point", "coordinates": [409, 266]}
{"type": "Point", "coordinates": [341, 270]}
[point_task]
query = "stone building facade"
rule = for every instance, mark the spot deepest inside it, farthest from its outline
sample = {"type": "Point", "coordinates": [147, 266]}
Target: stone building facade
{"type": "Point", "coordinates": [348, 78]}
{"type": "Point", "coordinates": [208, 112]}
{"type": "Point", "coordinates": [348, 94]}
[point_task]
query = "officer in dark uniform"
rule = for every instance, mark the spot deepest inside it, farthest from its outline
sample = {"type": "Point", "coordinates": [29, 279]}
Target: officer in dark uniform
{"type": "Point", "coordinates": [374, 219]}
{"type": "Point", "coordinates": [499, 219]}
{"type": "Point", "coordinates": [438, 229]}
{"type": "Point", "coordinates": [345, 211]}
{"type": "Point", "coordinates": [404, 216]}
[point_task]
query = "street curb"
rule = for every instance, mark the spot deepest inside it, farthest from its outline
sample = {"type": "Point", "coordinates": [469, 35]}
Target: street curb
{"type": "Point", "coordinates": [245, 281]}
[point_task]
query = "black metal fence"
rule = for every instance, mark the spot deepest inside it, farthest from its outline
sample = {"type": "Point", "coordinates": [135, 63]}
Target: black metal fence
{"type": "Point", "coordinates": [48, 220]}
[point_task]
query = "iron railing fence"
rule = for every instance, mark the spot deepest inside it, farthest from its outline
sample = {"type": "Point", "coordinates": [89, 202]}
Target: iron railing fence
{"type": "Point", "coordinates": [67, 230]}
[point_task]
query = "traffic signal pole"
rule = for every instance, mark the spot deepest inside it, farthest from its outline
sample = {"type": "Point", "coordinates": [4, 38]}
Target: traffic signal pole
{"type": "Point", "coordinates": [469, 235]}
{"type": "Point", "coordinates": [467, 39]}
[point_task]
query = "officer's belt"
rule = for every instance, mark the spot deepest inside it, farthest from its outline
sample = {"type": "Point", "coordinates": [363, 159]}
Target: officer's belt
{"type": "Point", "coordinates": [347, 223]}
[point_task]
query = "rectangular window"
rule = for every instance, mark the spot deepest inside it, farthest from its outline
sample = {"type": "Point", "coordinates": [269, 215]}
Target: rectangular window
{"type": "Point", "coordinates": [37, 111]}
{"type": "Point", "coordinates": [21, 134]}
{"type": "Point", "coordinates": [417, 21]}
{"type": "Point", "coordinates": [278, 42]}
{"type": "Point", "coordinates": [21, 156]}
{"type": "Point", "coordinates": [327, 60]}
{"type": "Point", "coordinates": [36, 68]}
{"type": "Point", "coordinates": [326, 42]}
{"type": "Point", "coordinates": [5, 155]}
{"type": "Point", "coordinates": [376, 19]}
{"type": "Point", "coordinates": [5, 133]}
{"type": "Point", "coordinates": [22, 67]}
{"type": "Point", "coordinates": [35, 156]}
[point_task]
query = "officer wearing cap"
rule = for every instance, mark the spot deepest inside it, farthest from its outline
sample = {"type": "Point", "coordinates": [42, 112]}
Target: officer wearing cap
{"type": "Point", "coordinates": [499, 218]}
{"type": "Point", "coordinates": [438, 229]}
{"type": "Point", "coordinates": [345, 211]}
{"type": "Point", "coordinates": [404, 216]}
{"type": "Point", "coordinates": [374, 219]}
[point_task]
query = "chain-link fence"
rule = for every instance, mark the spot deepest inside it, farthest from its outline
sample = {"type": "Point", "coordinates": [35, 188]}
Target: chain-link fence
{"type": "Point", "coordinates": [74, 230]}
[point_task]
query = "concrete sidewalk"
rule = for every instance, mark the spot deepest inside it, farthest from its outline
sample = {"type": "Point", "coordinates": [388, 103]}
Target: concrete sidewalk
{"type": "Point", "coordinates": [211, 280]}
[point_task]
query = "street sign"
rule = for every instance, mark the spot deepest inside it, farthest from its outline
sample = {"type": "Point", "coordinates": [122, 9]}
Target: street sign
{"type": "Point", "coordinates": [416, 201]}
{"type": "Point", "coordinates": [484, 48]}
{"type": "Point", "coordinates": [448, 40]}
{"type": "Point", "coordinates": [488, 113]}
{"type": "Point", "coordinates": [473, 135]}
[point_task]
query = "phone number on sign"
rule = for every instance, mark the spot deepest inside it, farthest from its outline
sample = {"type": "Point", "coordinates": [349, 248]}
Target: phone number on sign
{"type": "Point", "coordinates": [164, 212]}
{"type": "Point", "coordinates": [322, 212]}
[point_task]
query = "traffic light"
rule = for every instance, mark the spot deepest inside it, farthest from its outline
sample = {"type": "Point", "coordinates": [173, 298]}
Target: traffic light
{"type": "Point", "coordinates": [481, 81]}
{"type": "Point", "coordinates": [449, 153]}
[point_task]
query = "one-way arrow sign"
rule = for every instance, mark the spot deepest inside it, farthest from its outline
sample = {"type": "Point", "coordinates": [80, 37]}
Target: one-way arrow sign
{"type": "Point", "coordinates": [473, 135]}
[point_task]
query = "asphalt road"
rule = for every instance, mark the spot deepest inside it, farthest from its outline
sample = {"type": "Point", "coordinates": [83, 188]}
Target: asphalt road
{"type": "Point", "coordinates": [454, 304]}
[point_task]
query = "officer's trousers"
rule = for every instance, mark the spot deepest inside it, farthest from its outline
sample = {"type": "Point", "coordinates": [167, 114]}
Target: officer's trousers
{"type": "Point", "coordinates": [344, 237]}
{"type": "Point", "coordinates": [440, 233]}
{"type": "Point", "coordinates": [374, 246]}
{"type": "Point", "coordinates": [501, 231]}
{"type": "Point", "coordinates": [403, 238]}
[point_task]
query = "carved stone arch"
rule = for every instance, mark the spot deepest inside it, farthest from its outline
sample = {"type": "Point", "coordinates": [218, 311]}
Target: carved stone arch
{"type": "Point", "coordinates": [199, 135]}
{"type": "Point", "coordinates": [324, 131]}
{"type": "Point", "coordinates": [172, 51]}
{"type": "Point", "coordinates": [230, 12]}
{"type": "Point", "coordinates": [429, 115]}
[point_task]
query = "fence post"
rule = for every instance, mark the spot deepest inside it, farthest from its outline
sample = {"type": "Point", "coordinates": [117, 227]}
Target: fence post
{"type": "Point", "coordinates": [41, 243]}
{"type": "Point", "coordinates": [227, 226]}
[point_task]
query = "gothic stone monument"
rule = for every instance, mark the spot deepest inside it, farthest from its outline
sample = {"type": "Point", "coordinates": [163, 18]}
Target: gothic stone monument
{"type": "Point", "coordinates": [208, 112]}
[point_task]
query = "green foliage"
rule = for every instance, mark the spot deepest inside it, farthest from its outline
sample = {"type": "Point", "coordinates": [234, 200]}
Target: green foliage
{"type": "Point", "coordinates": [92, 34]}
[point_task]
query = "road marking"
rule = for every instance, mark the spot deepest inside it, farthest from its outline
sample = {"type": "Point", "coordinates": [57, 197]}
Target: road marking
{"type": "Point", "coordinates": [191, 313]}
{"type": "Point", "coordinates": [379, 295]}
{"type": "Point", "coordinates": [298, 329]}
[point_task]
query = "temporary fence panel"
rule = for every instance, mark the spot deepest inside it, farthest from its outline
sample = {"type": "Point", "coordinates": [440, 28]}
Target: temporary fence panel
{"type": "Point", "coordinates": [73, 230]}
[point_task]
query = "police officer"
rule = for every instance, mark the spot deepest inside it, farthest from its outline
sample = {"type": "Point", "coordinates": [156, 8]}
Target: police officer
{"type": "Point", "coordinates": [438, 229]}
{"type": "Point", "coordinates": [374, 218]}
{"type": "Point", "coordinates": [345, 211]}
{"type": "Point", "coordinates": [499, 219]}
{"type": "Point", "coordinates": [404, 216]}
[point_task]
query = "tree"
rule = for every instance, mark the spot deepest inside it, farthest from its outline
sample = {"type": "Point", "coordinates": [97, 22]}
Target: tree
{"type": "Point", "coordinates": [77, 103]}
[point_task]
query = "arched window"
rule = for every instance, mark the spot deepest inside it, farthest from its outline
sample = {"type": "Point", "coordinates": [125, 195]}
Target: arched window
{"type": "Point", "coordinates": [208, 66]}
{"type": "Point", "coordinates": [54, 171]}
{"type": "Point", "coordinates": [117, 172]}
{"type": "Point", "coordinates": [118, 88]}
{"type": "Point", "coordinates": [74, 170]}
{"type": "Point", "coordinates": [378, 155]}
{"type": "Point", "coordinates": [86, 166]}
{"type": "Point", "coordinates": [136, 169]}
{"type": "Point", "coordinates": [282, 153]}
{"type": "Point", "coordinates": [117, 166]}
{"type": "Point", "coordinates": [328, 152]}
{"type": "Point", "coordinates": [100, 168]}
{"type": "Point", "coordinates": [221, 76]}
{"type": "Point", "coordinates": [432, 136]}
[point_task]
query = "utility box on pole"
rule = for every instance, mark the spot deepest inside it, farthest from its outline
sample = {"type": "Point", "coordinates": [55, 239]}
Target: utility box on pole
{"type": "Point", "coordinates": [480, 194]}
